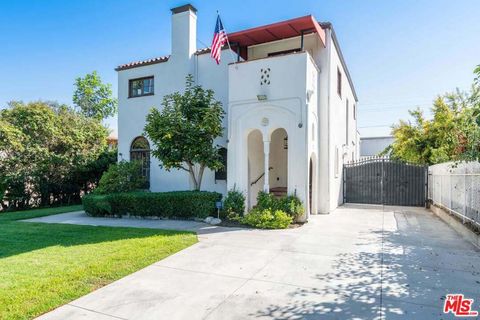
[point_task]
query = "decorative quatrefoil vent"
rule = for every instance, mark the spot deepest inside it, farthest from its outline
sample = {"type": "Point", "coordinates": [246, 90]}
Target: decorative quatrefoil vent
{"type": "Point", "coordinates": [264, 76]}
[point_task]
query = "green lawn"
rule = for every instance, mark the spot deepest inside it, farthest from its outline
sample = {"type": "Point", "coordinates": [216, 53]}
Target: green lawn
{"type": "Point", "coordinates": [43, 266]}
{"type": "Point", "coordinates": [36, 213]}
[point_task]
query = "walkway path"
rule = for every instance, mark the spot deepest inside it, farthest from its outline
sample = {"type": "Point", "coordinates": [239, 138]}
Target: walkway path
{"type": "Point", "coordinates": [356, 263]}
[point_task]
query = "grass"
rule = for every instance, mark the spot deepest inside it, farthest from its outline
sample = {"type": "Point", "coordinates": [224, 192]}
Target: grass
{"type": "Point", "coordinates": [36, 213]}
{"type": "Point", "coordinates": [43, 266]}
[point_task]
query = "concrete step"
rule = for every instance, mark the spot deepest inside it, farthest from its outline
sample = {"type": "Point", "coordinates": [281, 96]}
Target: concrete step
{"type": "Point", "coordinates": [279, 192]}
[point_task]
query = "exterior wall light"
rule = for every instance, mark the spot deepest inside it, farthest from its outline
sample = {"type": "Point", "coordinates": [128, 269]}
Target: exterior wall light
{"type": "Point", "coordinates": [261, 97]}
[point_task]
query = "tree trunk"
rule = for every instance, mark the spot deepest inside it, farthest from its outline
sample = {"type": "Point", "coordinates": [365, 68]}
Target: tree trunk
{"type": "Point", "coordinates": [192, 175]}
{"type": "Point", "coordinates": [197, 180]}
{"type": "Point", "coordinates": [200, 176]}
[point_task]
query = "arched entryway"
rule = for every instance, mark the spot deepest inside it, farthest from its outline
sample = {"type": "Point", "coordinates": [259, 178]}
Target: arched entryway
{"type": "Point", "coordinates": [312, 185]}
{"type": "Point", "coordinates": [278, 161]}
{"type": "Point", "coordinates": [267, 163]}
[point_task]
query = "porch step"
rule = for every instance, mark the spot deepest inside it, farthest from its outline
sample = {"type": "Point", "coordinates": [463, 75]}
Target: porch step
{"type": "Point", "coordinates": [279, 192]}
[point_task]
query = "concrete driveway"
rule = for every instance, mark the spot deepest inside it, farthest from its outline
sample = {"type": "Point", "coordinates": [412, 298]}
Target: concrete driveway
{"type": "Point", "coordinates": [356, 263]}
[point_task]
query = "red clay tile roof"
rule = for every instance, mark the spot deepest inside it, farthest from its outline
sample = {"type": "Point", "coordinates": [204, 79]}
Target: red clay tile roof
{"type": "Point", "coordinates": [203, 50]}
{"type": "Point", "coordinates": [147, 62]}
{"type": "Point", "coordinates": [142, 63]}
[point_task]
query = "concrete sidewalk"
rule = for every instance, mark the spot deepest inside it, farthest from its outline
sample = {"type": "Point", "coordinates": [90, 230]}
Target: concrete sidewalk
{"type": "Point", "coordinates": [81, 218]}
{"type": "Point", "coordinates": [356, 263]}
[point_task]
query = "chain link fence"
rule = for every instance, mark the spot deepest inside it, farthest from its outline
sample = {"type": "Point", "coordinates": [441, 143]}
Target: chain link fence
{"type": "Point", "coordinates": [456, 188]}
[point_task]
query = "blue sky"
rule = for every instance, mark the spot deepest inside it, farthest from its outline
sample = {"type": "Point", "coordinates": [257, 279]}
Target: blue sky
{"type": "Point", "coordinates": [401, 54]}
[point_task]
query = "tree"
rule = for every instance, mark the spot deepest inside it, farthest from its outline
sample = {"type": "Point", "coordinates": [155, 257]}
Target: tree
{"type": "Point", "coordinates": [453, 134]}
{"type": "Point", "coordinates": [183, 132]}
{"type": "Point", "coordinates": [43, 147]}
{"type": "Point", "coordinates": [94, 98]}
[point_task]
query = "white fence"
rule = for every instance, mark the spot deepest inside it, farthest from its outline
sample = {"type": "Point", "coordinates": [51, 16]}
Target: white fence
{"type": "Point", "coordinates": [456, 188]}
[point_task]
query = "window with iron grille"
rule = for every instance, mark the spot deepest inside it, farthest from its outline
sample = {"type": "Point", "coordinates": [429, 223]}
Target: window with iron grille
{"type": "Point", "coordinates": [140, 151]}
{"type": "Point", "coordinates": [140, 87]}
{"type": "Point", "coordinates": [221, 174]}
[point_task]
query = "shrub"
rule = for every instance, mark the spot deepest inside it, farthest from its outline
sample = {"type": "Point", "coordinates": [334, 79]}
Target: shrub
{"type": "Point", "coordinates": [267, 219]}
{"type": "Point", "coordinates": [233, 205]}
{"type": "Point", "coordinates": [96, 205]}
{"type": "Point", "coordinates": [266, 201]}
{"type": "Point", "coordinates": [3, 188]}
{"type": "Point", "coordinates": [176, 204]}
{"type": "Point", "coordinates": [291, 205]}
{"type": "Point", "coordinates": [122, 177]}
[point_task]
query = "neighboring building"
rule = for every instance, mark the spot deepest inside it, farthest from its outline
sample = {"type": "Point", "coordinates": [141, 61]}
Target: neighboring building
{"type": "Point", "coordinates": [290, 109]}
{"type": "Point", "coordinates": [372, 146]}
{"type": "Point", "coordinates": [112, 141]}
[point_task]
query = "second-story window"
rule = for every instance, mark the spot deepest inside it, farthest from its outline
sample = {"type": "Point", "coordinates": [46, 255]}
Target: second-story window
{"type": "Point", "coordinates": [339, 82]}
{"type": "Point", "coordinates": [140, 87]}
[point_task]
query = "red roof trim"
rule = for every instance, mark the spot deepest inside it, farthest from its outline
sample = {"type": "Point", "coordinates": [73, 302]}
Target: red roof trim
{"type": "Point", "coordinates": [319, 29]}
{"type": "Point", "coordinates": [293, 28]}
{"type": "Point", "coordinates": [277, 31]}
{"type": "Point", "coordinates": [271, 33]}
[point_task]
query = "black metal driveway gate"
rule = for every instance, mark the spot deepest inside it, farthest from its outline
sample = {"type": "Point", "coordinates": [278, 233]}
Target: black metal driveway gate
{"type": "Point", "coordinates": [385, 181]}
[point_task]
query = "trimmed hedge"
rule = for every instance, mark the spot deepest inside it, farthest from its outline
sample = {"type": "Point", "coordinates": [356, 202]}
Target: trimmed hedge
{"type": "Point", "coordinates": [176, 204]}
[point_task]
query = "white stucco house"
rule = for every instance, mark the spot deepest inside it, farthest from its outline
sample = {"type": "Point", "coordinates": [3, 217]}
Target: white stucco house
{"type": "Point", "coordinates": [290, 109]}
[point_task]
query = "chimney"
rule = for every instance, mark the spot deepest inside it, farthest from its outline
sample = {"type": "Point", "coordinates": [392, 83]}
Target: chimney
{"type": "Point", "coordinates": [184, 31]}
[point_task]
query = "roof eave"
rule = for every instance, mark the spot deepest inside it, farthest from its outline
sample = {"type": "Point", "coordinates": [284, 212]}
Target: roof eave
{"type": "Point", "coordinates": [139, 64]}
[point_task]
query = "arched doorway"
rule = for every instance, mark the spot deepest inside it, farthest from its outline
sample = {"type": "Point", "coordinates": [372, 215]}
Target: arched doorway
{"type": "Point", "coordinates": [256, 163]}
{"type": "Point", "coordinates": [310, 182]}
{"type": "Point", "coordinates": [312, 185]}
{"type": "Point", "coordinates": [278, 161]}
{"type": "Point", "coordinates": [140, 151]}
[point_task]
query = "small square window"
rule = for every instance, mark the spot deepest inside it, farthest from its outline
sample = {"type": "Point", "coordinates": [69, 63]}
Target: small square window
{"type": "Point", "coordinates": [140, 87]}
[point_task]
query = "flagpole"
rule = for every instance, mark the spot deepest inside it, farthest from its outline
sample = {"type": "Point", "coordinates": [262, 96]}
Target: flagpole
{"type": "Point", "coordinates": [228, 41]}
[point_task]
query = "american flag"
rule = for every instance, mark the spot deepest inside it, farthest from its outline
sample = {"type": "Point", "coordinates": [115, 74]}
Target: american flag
{"type": "Point", "coordinates": [219, 39]}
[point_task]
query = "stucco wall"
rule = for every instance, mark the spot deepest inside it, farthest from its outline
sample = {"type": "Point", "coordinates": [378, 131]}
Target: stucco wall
{"type": "Point", "coordinates": [255, 166]}
{"type": "Point", "coordinates": [338, 123]}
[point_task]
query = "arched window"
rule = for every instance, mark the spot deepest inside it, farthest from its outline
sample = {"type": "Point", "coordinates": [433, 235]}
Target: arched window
{"type": "Point", "coordinates": [222, 173]}
{"type": "Point", "coordinates": [140, 151]}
